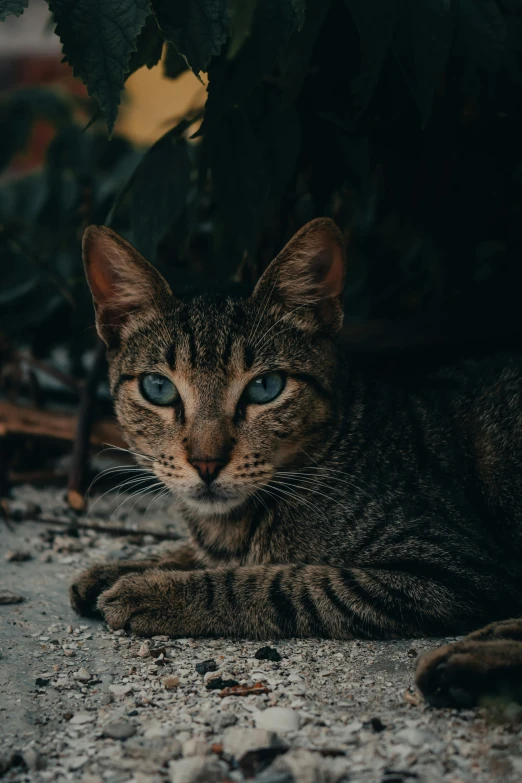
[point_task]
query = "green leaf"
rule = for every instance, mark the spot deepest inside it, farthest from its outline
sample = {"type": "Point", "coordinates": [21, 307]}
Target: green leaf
{"type": "Point", "coordinates": [197, 28]}
{"type": "Point", "coordinates": [375, 21]}
{"type": "Point", "coordinates": [174, 64]}
{"type": "Point", "coordinates": [159, 193]}
{"type": "Point", "coordinates": [12, 7]}
{"type": "Point", "coordinates": [149, 46]}
{"type": "Point", "coordinates": [98, 40]}
{"type": "Point", "coordinates": [422, 44]}
{"type": "Point", "coordinates": [241, 20]}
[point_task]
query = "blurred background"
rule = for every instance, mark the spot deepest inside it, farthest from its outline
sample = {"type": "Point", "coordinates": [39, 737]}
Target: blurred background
{"type": "Point", "coordinates": [237, 123]}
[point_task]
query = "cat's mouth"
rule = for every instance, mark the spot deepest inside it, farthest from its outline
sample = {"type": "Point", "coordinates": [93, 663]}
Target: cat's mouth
{"type": "Point", "coordinates": [213, 499]}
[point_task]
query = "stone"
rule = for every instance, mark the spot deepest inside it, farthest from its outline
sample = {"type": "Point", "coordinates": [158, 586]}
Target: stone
{"type": "Point", "coordinates": [218, 683]}
{"type": "Point", "coordinates": [144, 650]}
{"type": "Point", "coordinates": [76, 762]}
{"type": "Point", "coordinates": [83, 717]}
{"type": "Point", "coordinates": [267, 654]}
{"type": "Point", "coordinates": [277, 719]}
{"type": "Point", "coordinates": [198, 769]}
{"type": "Point", "coordinates": [210, 675]}
{"type": "Point", "coordinates": [33, 760]}
{"type": "Point", "coordinates": [119, 729]}
{"type": "Point", "coordinates": [225, 720]}
{"type": "Point", "coordinates": [82, 675]}
{"type": "Point", "coordinates": [238, 741]}
{"type": "Point", "coordinates": [8, 597]}
{"type": "Point", "coordinates": [412, 736]}
{"type": "Point", "coordinates": [204, 667]}
{"type": "Point", "coordinates": [121, 690]}
{"type": "Point", "coordinates": [41, 682]}
{"type": "Point", "coordinates": [170, 682]}
{"type": "Point", "coordinates": [18, 556]}
{"type": "Point", "coordinates": [303, 766]}
{"type": "Point", "coordinates": [194, 747]}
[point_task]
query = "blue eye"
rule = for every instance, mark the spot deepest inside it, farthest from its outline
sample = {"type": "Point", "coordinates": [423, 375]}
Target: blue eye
{"type": "Point", "coordinates": [265, 388]}
{"type": "Point", "coordinates": [158, 389]}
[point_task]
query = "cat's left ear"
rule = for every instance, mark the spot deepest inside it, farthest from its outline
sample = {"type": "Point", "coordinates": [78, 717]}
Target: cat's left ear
{"type": "Point", "coordinates": [123, 284]}
{"type": "Point", "coordinates": [307, 277]}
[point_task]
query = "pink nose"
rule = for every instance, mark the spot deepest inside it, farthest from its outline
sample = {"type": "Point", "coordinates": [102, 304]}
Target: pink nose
{"type": "Point", "coordinates": [207, 469]}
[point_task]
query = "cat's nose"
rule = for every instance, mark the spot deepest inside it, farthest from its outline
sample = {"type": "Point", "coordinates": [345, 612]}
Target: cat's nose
{"type": "Point", "coordinates": [208, 469]}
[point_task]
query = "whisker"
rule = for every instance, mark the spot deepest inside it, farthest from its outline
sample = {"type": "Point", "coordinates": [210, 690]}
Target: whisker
{"type": "Point", "coordinates": [109, 446]}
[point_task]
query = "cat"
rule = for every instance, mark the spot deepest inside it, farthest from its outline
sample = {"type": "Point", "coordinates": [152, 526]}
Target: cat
{"type": "Point", "coordinates": [323, 499]}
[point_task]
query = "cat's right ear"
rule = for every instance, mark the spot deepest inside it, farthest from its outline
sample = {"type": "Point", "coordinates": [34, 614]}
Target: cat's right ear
{"type": "Point", "coordinates": [307, 277]}
{"type": "Point", "coordinates": [123, 284]}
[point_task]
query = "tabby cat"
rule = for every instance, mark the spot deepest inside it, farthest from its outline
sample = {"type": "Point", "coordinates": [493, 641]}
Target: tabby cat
{"type": "Point", "coordinates": [322, 499]}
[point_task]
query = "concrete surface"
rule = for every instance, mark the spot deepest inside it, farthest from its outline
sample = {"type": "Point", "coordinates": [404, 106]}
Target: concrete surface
{"type": "Point", "coordinates": [80, 703]}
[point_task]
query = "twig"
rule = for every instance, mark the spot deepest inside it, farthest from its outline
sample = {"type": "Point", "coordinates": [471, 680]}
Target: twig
{"type": "Point", "coordinates": [81, 524]}
{"type": "Point", "coordinates": [24, 420]}
{"type": "Point", "coordinates": [80, 453]}
{"type": "Point", "coordinates": [37, 477]}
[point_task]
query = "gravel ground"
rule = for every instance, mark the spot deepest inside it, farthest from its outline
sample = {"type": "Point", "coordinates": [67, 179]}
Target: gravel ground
{"type": "Point", "coordinates": [81, 703]}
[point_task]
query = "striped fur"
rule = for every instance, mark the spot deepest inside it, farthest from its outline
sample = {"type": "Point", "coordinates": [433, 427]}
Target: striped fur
{"type": "Point", "coordinates": [353, 505]}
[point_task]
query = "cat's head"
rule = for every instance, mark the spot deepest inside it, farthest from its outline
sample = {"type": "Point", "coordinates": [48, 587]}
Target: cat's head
{"type": "Point", "coordinates": [224, 397]}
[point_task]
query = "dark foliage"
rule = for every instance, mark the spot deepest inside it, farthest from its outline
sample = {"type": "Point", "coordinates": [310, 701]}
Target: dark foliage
{"type": "Point", "coordinates": [401, 118]}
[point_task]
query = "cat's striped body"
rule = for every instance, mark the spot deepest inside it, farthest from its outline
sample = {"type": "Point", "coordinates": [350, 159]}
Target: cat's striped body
{"type": "Point", "coordinates": [348, 504]}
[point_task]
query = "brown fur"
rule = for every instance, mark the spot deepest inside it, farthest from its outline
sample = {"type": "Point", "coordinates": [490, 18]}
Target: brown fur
{"type": "Point", "coordinates": [352, 504]}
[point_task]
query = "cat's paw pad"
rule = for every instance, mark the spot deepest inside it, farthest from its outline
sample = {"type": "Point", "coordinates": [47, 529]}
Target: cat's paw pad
{"type": "Point", "coordinates": [143, 604]}
{"type": "Point", "coordinates": [86, 589]}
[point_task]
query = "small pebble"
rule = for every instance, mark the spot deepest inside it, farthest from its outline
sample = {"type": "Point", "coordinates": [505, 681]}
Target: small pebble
{"type": "Point", "coordinates": [121, 690]}
{"type": "Point", "coordinates": [119, 729]}
{"type": "Point", "coordinates": [83, 717]}
{"type": "Point", "coordinates": [267, 654]}
{"type": "Point", "coordinates": [7, 597]}
{"type": "Point", "coordinates": [170, 682]}
{"type": "Point", "coordinates": [194, 747]}
{"type": "Point", "coordinates": [41, 682]}
{"type": "Point", "coordinates": [33, 760]}
{"type": "Point", "coordinates": [277, 719]}
{"type": "Point", "coordinates": [82, 675]}
{"type": "Point", "coordinates": [204, 667]}
{"type": "Point", "coordinates": [238, 741]}
{"type": "Point", "coordinates": [144, 650]}
{"type": "Point", "coordinates": [197, 769]}
{"type": "Point", "coordinates": [210, 675]}
{"type": "Point", "coordinates": [217, 683]}
{"type": "Point", "coordinates": [377, 725]}
{"type": "Point", "coordinates": [18, 556]}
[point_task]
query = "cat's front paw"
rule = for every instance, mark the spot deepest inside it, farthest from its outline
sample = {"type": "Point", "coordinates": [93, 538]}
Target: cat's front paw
{"type": "Point", "coordinates": [470, 673]}
{"type": "Point", "coordinates": [146, 604]}
{"type": "Point", "coordinates": [91, 583]}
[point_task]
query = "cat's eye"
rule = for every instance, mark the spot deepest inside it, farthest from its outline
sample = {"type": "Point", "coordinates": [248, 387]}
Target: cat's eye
{"type": "Point", "coordinates": [265, 388]}
{"type": "Point", "coordinates": [158, 389]}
